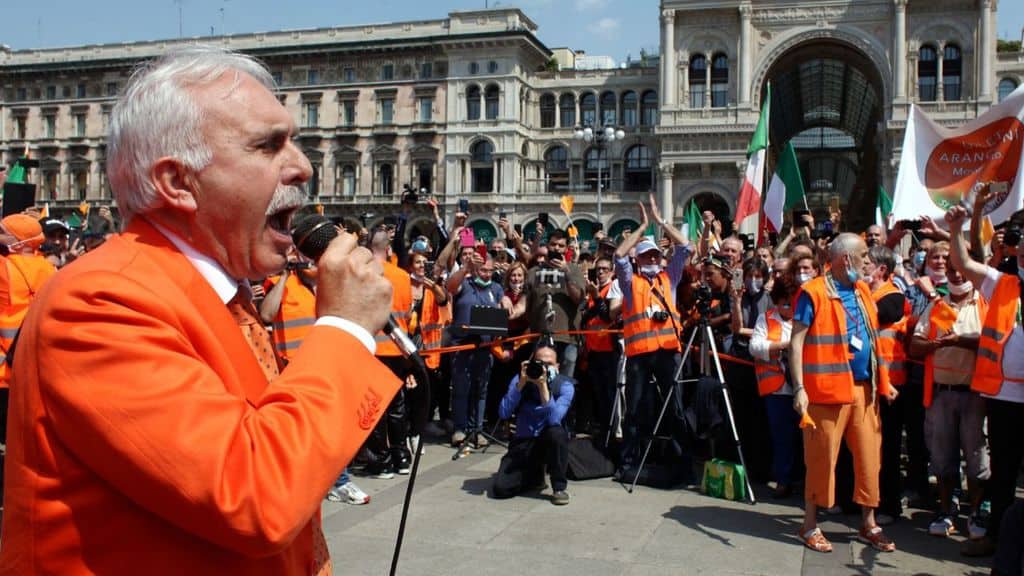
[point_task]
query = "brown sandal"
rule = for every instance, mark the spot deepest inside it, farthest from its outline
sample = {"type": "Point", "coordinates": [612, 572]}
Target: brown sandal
{"type": "Point", "coordinates": [876, 539]}
{"type": "Point", "coordinates": [816, 541]}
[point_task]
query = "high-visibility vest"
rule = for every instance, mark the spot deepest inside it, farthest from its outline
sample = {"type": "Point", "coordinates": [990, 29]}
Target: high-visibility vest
{"type": "Point", "coordinates": [892, 351]}
{"type": "Point", "coordinates": [26, 274]}
{"type": "Point", "coordinates": [430, 323]}
{"type": "Point", "coordinates": [295, 317]}
{"type": "Point", "coordinates": [401, 306]}
{"type": "Point", "coordinates": [1003, 313]}
{"type": "Point", "coordinates": [597, 341]}
{"type": "Point", "coordinates": [769, 374]}
{"type": "Point", "coordinates": [642, 334]}
{"type": "Point", "coordinates": [826, 354]}
{"type": "Point", "coordinates": [929, 361]}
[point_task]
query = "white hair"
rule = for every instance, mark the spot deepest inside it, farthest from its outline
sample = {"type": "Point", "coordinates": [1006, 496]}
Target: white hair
{"type": "Point", "coordinates": [845, 243]}
{"type": "Point", "coordinates": [157, 116]}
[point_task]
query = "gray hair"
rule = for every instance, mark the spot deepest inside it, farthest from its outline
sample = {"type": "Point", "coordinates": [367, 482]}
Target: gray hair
{"type": "Point", "coordinates": [157, 116]}
{"type": "Point", "coordinates": [845, 243]}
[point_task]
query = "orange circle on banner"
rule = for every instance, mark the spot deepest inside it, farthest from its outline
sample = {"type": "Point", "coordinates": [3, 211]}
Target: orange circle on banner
{"type": "Point", "coordinates": [989, 154]}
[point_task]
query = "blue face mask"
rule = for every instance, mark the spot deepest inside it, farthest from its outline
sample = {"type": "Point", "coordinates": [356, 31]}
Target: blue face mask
{"type": "Point", "coordinates": [919, 259]}
{"type": "Point", "coordinates": [851, 272]}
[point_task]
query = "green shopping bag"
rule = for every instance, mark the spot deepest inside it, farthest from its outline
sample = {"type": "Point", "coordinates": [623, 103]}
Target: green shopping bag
{"type": "Point", "coordinates": [724, 479]}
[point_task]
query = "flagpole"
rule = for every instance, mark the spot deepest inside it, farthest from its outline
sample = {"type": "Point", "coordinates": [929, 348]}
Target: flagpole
{"type": "Point", "coordinates": [767, 160]}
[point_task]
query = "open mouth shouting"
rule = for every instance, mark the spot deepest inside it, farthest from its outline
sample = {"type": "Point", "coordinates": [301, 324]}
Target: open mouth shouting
{"type": "Point", "coordinates": [286, 201]}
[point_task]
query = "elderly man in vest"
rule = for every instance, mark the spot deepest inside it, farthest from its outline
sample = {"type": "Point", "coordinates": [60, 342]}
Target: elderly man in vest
{"type": "Point", "coordinates": [837, 382]}
{"type": "Point", "coordinates": [651, 325]}
{"type": "Point", "coordinates": [998, 376]}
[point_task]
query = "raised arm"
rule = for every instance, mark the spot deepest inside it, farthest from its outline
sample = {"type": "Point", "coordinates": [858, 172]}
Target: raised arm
{"type": "Point", "coordinates": [971, 269]}
{"type": "Point", "coordinates": [633, 238]}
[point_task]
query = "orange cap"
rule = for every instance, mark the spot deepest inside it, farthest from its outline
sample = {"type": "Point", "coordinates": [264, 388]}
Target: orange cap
{"type": "Point", "coordinates": [25, 228]}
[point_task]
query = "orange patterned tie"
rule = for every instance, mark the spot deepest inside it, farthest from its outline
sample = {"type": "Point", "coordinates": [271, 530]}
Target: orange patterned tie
{"type": "Point", "coordinates": [256, 335]}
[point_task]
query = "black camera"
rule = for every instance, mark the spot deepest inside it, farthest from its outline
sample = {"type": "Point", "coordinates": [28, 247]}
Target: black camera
{"type": "Point", "coordinates": [535, 370]}
{"type": "Point", "coordinates": [704, 298]}
{"type": "Point", "coordinates": [296, 265]}
{"type": "Point", "coordinates": [659, 316]}
{"type": "Point", "coordinates": [1011, 237]}
{"type": "Point", "coordinates": [409, 195]}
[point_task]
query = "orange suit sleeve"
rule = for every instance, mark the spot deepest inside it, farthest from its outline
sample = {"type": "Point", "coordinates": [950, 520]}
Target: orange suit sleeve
{"type": "Point", "coordinates": [137, 387]}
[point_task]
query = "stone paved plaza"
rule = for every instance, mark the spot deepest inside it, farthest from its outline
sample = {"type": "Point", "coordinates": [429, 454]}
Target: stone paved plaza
{"type": "Point", "coordinates": [455, 529]}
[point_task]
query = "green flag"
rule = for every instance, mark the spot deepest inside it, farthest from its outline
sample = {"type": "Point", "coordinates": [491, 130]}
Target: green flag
{"type": "Point", "coordinates": [760, 139]}
{"type": "Point", "coordinates": [786, 189]}
{"type": "Point", "coordinates": [693, 222]}
{"type": "Point", "coordinates": [17, 173]}
{"type": "Point", "coordinates": [883, 207]}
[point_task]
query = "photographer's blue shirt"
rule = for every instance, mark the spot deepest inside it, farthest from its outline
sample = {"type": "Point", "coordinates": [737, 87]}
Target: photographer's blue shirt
{"type": "Point", "coordinates": [531, 416]}
{"type": "Point", "coordinates": [856, 325]}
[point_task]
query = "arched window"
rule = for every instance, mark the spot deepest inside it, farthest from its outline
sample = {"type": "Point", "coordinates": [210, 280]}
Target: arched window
{"type": "Point", "coordinates": [608, 116]}
{"type": "Point", "coordinates": [491, 102]}
{"type": "Point", "coordinates": [387, 179]}
{"type": "Point", "coordinates": [348, 180]}
{"type": "Point", "coordinates": [595, 165]}
{"type": "Point", "coordinates": [698, 80]}
{"type": "Point", "coordinates": [547, 111]}
{"type": "Point", "coordinates": [473, 102]}
{"type": "Point", "coordinates": [630, 112]}
{"type": "Point", "coordinates": [567, 109]}
{"type": "Point", "coordinates": [1006, 87]}
{"type": "Point", "coordinates": [482, 165]}
{"type": "Point", "coordinates": [927, 74]}
{"type": "Point", "coordinates": [720, 81]}
{"type": "Point", "coordinates": [556, 168]}
{"type": "Point", "coordinates": [588, 109]}
{"type": "Point", "coordinates": [638, 169]}
{"type": "Point", "coordinates": [952, 72]}
{"type": "Point", "coordinates": [649, 108]}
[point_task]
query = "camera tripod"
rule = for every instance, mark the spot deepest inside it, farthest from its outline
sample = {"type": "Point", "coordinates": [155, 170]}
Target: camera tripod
{"type": "Point", "coordinates": [708, 352]}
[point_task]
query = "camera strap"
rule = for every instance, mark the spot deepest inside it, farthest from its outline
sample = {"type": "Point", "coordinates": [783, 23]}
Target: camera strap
{"type": "Point", "coordinates": [668, 309]}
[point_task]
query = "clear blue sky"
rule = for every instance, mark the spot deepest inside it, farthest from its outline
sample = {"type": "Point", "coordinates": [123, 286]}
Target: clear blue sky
{"type": "Point", "coordinates": [615, 28]}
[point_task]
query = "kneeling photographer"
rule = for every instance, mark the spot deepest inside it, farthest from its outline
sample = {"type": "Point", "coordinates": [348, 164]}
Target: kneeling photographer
{"type": "Point", "coordinates": [539, 398]}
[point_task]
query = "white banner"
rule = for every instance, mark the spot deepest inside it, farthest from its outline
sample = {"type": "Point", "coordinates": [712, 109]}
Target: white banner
{"type": "Point", "coordinates": [941, 167]}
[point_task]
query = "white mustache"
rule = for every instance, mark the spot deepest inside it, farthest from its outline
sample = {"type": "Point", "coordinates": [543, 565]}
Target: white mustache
{"type": "Point", "coordinates": [286, 198]}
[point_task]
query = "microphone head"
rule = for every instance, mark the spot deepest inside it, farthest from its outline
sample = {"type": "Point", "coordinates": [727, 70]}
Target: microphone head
{"type": "Point", "coordinates": [312, 234]}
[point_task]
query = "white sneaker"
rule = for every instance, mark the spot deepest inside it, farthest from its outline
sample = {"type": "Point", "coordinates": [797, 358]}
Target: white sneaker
{"type": "Point", "coordinates": [412, 441]}
{"type": "Point", "coordinates": [349, 494]}
{"type": "Point", "coordinates": [942, 526]}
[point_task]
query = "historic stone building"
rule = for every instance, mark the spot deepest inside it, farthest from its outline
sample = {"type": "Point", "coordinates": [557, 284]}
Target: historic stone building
{"type": "Point", "coordinates": [474, 106]}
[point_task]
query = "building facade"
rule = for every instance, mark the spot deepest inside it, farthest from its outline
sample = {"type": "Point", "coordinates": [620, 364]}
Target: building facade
{"type": "Point", "coordinates": [475, 106]}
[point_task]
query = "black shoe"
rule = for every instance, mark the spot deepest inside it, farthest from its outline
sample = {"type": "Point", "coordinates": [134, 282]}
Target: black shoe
{"type": "Point", "coordinates": [382, 469]}
{"type": "Point", "coordinates": [560, 498]}
{"type": "Point", "coordinates": [401, 460]}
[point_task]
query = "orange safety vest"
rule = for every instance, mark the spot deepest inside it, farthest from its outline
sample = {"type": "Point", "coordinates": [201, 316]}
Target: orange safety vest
{"type": "Point", "coordinates": [770, 378]}
{"type": "Point", "coordinates": [599, 341]}
{"type": "Point", "coordinates": [826, 368]}
{"type": "Point", "coordinates": [26, 274]}
{"type": "Point", "coordinates": [1003, 313]}
{"type": "Point", "coordinates": [401, 306]}
{"type": "Point", "coordinates": [929, 361]}
{"type": "Point", "coordinates": [430, 323]}
{"type": "Point", "coordinates": [892, 350]}
{"type": "Point", "coordinates": [642, 334]}
{"type": "Point", "coordinates": [295, 317]}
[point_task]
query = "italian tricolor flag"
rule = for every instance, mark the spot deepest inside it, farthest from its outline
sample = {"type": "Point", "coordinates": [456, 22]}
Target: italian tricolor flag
{"type": "Point", "coordinates": [749, 205]}
{"type": "Point", "coordinates": [786, 189]}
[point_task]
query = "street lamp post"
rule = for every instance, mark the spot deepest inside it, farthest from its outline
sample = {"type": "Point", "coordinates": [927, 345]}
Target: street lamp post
{"type": "Point", "coordinates": [601, 139]}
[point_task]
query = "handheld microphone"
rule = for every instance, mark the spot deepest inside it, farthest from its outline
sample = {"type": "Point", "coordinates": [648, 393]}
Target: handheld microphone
{"type": "Point", "coordinates": [311, 236]}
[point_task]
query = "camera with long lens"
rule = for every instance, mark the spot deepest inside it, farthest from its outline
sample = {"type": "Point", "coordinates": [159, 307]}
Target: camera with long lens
{"type": "Point", "coordinates": [1011, 237]}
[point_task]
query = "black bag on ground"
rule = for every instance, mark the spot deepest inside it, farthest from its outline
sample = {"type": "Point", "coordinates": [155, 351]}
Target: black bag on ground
{"type": "Point", "coordinates": [587, 461]}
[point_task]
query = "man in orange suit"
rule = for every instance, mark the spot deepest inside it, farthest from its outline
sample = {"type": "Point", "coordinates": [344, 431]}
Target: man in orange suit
{"type": "Point", "coordinates": [149, 432]}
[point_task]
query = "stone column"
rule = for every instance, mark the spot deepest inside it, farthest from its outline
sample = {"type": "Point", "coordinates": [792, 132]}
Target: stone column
{"type": "Point", "coordinates": [746, 56]}
{"type": "Point", "coordinates": [684, 64]}
{"type": "Point", "coordinates": [987, 47]}
{"type": "Point", "coordinates": [668, 57]}
{"type": "Point", "coordinates": [665, 169]}
{"type": "Point", "coordinates": [899, 49]}
{"type": "Point", "coordinates": [709, 59]}
{"type": "Point", "coordinates": [939, 92]}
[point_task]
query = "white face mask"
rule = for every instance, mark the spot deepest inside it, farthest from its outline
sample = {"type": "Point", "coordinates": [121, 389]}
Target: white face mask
{"type": "Point", "coordinates": [516, 286]}
{"type": "Point", "coordinates": [650, 269]}
{"type": "Point", "coordinates": [937, 278]}
{"type": "Point", "coordinates": [961, 289]}
{"type": "Point", "coordinates": [803, 278]}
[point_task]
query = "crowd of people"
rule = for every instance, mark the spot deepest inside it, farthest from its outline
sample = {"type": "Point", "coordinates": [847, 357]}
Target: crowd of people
{"type": "Point", "coordinates": [207, 379]}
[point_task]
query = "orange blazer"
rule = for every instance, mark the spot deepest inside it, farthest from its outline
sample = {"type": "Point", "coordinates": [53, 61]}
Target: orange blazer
{"type": "Point", "coordinates": [144, 437]}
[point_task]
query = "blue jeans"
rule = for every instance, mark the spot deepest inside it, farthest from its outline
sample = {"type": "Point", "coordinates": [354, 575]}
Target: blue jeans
{"type": "Point", "coordinates": [471, 370]}
{"type": "Point", "coordinates": [784, 426]}
{"type": "Point", "coordinates": [343, 479]}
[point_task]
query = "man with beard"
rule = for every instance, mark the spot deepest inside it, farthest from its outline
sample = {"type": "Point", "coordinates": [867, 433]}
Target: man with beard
{"type": "Point", "coordinates": [561, 286]}
{"type": "Point", "coordinates": [163, 438]}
